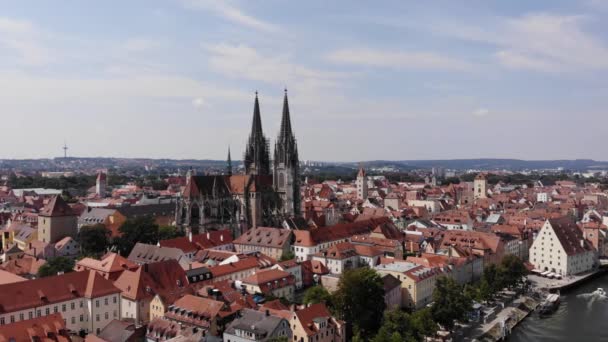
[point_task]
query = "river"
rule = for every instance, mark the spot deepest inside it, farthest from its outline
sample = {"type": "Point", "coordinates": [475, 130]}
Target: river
{"type": "Point", "coordinates": [580, 317]}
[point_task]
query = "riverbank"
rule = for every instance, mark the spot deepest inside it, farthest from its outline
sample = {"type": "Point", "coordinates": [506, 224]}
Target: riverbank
{"type": "Point", "coordinates": [504, 322]}
{"type": "Point", "coordinates": [564, 284]}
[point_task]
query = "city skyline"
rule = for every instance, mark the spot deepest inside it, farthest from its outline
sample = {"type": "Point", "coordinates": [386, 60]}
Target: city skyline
{"type": "Point", "coordinates": [397, 82]}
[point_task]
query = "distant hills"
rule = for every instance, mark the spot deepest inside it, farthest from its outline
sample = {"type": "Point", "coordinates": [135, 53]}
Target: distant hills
{"type": "Point", "coordinates": [338, 167]}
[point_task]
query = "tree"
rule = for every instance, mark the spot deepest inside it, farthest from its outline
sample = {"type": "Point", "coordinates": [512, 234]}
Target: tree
{"type": "Point", "coordinates": [56, 265]}
{"type": "Point", "coordinates": [485, 290]}
{"type": "Point", "coordinates": [423, 324]}
{"type": "Point", "coordinates": [287, 256]}
{"type": "Point", "coordinates": [169, 232]}
{"type": "Point", "coordinates": [317, 294]}
{"type": "Point", "coordinates": [359, 300]}
{"type": "Point", "coordinates": [94, 239]}
{"type": "Point", "coordinates": [512, 270]}
{"type": "Point", "coordinates": [139, 229]}
{"type": "Point", "coordinates": [449, 303]}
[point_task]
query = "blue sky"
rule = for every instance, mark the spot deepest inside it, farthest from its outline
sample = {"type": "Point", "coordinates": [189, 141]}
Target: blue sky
{"type": "Point", "coordinates": [405, 80]}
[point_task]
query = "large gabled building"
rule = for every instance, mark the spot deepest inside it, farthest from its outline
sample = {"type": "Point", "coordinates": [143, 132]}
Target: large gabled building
{"type": "Point", "coordinates": [561, 248]}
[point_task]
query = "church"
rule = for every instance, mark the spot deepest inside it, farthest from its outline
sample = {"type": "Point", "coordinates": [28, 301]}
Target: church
{"type": "Point", "coordinates": [265, 195]}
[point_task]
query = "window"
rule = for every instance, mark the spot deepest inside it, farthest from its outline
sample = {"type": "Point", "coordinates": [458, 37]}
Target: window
{"type": "Point", "coordinates": [73, 320]}
{"type": "Point", "coordinates": [12, 319]}
{"type": "Point", "coordinates": [107, 315]}
{"type": "Point", "coordinates": [97, 317]}
{"type": "Point", "coordinates": [97, 303]}
{"type": "Point", "coordinates": [106, 301]}
{"type": "Point", "coordinates": [81, 318]}
{"type": "Point", "coordinates": [2, 321]}
{"type": "Point", "coordinates": [47, 311]}
{"type": "Point", "coordinates": [30, 314]}
{"type": "Point", "coordinates": [21, 316]}
{"type": "Point", "coordinates": [63, 308]}
{"type": "Point", "coordinates": [73, 305]}
{"type": "Point", "coordinates": [38, 313]}
{"type": "Point", "coordinates": [115, 299]}
{"type": "Point", "coordinates": [81, 303]}
{"type": "Point", "coordinates": [55, 309]}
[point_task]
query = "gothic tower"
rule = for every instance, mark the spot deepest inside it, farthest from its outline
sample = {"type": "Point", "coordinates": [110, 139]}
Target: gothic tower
{"type": "Point", "coordinates": [257, 156]}
{"type": "Point", "coordinates": [229, 164]}
{"type": "Point", "coordinates": [286, 177]}
{"type": "Point", "coordinates": [362, 184]}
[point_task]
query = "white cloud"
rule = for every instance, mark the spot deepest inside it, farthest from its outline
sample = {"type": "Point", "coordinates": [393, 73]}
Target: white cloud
{"type": "Point", "coordinates": [397, 59]}
{"type": "Point", "coordinates": [542, 42]}
{"type": "Point", "coordinates": [24, 39]}
{"type": "Point", "coordinates": [481, 112]}
{"type": "Point", "coordinates": [244, 62]}
{"type": "Point", "coordinates": [231, 13]}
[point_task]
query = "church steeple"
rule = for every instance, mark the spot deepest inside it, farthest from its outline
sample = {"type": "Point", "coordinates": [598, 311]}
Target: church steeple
{"type": "Point", "coordinates": [256, 125]}
{"type": "Point", "coordinates": [286, 164]}
{"type": "Point", "coordinates": [257, 156]}
{"type": "Point", "coordinates": [285, 120]}
{"type": "Point", "coordinates": [229, 164]}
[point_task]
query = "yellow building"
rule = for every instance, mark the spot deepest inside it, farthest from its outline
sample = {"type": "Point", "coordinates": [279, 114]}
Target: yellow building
{"type": "Point", "coordinates": [417, 282]}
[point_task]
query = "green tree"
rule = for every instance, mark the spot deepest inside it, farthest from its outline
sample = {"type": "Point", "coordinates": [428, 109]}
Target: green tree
{"type": "Point", "coordinates": [485, 290]}
{"type": "Point", "coordinates": [169, 232]}
{"type": "Point", "coordinates": [423, 324]}
{"type": "Point", "coordinates": [512, 270]}
{"type": "Point", "coordinates": [450, 304]}
{"type": "Point", "coordinates": [317, 294]}
{"type": "Point", "coordinates": [139, 229]}
{"type": "Point", "coordinates": [359, 300]}
{"type": "Point", "coordinates": [94, 239]}
{"type": "Point", "coordinates": [288, 256]}
{"type": "Point", "coordinates": [56, 265]}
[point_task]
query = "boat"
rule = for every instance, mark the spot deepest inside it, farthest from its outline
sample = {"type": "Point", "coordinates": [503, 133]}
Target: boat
{"type": "Point", "coordinates": [549, 305]}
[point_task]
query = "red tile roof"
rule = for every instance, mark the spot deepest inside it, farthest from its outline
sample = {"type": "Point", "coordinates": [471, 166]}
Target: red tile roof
{"type": "Point", "coordinates": [45, 328]}
{"type": "Point", "coordinates": [55, 289]}
{"type": "Point", "coordinates": [57, 207]}
{"type": "Point", "coordinates": [340, 231]}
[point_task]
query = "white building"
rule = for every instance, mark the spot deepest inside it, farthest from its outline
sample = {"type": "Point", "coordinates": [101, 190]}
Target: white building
{"type": "Point", "coordinates": [86, 300]}
{"type": "Point", "coordinates": [542, 197]}
{"type": "Point", "coordinates": [561, 248]}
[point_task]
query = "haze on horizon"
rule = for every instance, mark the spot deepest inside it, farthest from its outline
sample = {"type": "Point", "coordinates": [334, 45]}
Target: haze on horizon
{"type": "Point", "coordinates": [402, 81]}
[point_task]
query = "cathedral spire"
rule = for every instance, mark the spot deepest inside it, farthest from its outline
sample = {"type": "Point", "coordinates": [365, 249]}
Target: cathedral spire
{"type": "Point", "coordinates": [229, 164]}
{"type": "Point", "coordinates": [256, 125]}
{"type": "Point", "coordinates": [257, 157]}
{"type": "Point", "coordinates": [285, 120]}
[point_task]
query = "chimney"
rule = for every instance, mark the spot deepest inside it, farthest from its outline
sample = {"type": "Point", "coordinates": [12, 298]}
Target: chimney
{"type": "Point", "coordinates": [582, 243]}
{"type": "Point", "coordinates": [190, 266]}
{"type": "Point", "coordinates": [222, 237]}
{"type": "Point", "coordinates": [30, 245]}
{"type": "Point", "coordinates": [190, 236]}
{"type": "Point", "coordinates": [267, 312]}
{"type": "Point", "coordinates": [208, 235]}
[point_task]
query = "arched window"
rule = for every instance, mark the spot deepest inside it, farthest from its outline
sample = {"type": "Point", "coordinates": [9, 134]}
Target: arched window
{"type": "Point", "coordinates": [281, 180]}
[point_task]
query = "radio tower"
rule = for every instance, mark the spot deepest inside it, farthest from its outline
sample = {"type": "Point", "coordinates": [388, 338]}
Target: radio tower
{"type": "Point", "coordinates": [65, 150]}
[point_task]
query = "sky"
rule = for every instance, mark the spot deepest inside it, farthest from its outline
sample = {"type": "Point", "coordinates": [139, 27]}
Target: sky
{"type": "Point", "coordinates": [366, 80]}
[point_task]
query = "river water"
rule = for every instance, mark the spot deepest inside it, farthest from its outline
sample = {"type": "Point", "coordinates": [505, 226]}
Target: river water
{"type": "Point", "coordinates": [581, 317]}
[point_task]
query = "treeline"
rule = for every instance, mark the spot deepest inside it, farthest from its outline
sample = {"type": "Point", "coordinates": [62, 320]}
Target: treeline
{"type": "Point", "coordinates": [79, 182]}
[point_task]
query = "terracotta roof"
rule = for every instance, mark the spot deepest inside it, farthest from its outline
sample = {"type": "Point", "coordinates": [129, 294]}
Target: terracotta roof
{"type": "Point", "coordinates": [109, 263]}
{"type": "Point", "coordinates": [199, 241]}
{"type": "Point", "coordinates": [265, 237]}
{"type": "Point", "coordinates": [57, 207]}
{"type": "Point", "coordinates": [339, 231]}
{"type": "Point", "coordinates": [161, 278]}
{"type": "Point", "coordinates": [55, 289]}
{"type": "Point", "coordinates": [204, 309]}
{"type": "Point", "coordinates": [9, 278]}
{"type": "Point", "coordinates": [307, 316]}
{"type": "Point", "coordinates": [570, 236]}
{"type": "Point", "coordinates": [238, 266]}
{"type": "Point", "coordinates": [36, 329]}
{"type": "Point", "coordinates": [25, 265]}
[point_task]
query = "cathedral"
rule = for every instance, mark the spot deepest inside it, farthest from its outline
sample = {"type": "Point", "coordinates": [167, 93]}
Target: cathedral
{"type": "Point", "coordinates": [265, 195]}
